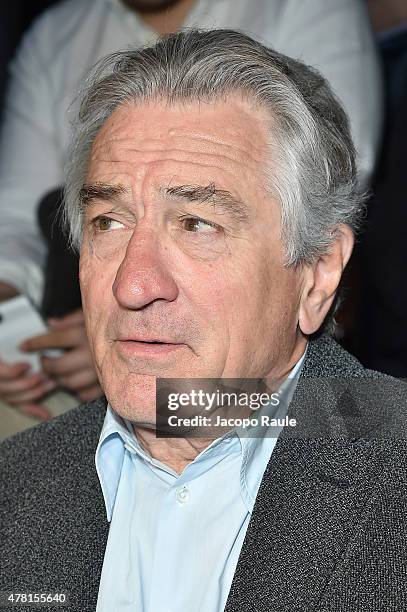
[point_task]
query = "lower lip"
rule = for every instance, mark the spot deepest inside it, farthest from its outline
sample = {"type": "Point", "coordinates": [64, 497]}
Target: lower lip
{"type": "Point", "coordinates": [131, 347]}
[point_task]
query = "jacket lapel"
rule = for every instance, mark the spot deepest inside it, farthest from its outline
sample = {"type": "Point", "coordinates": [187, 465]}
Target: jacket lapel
{"type": "Point", "coordinates": [77, 536]}
{"type": "Point", "coordinates": [313, 493]}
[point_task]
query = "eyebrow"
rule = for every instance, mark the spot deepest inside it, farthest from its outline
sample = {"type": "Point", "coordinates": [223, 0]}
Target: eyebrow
{"type": "Point", "coordinates": [218, 198]}
{"type": "Point", "coordinates": [101, 191]}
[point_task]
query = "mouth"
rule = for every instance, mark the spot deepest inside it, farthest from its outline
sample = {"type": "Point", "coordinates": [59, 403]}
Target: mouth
{"type": "Point", "coordinates": [147, 347]}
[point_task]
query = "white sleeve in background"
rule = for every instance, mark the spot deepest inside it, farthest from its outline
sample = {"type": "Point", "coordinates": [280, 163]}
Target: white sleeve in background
{"type": "Point", "coordinates": [335, 37]}
{"type": "Point", "coordinates": [30, 167]}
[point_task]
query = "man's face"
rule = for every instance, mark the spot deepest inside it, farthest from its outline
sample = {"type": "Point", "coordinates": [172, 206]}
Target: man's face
{"type": "Point", "coordinates": [182, 264]}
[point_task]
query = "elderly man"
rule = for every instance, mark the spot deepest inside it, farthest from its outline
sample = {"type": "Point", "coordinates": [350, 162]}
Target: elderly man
{"type": "Point", "coordinates": [59, 49]}
{"type": "Point", "coordinates": [212, 193]}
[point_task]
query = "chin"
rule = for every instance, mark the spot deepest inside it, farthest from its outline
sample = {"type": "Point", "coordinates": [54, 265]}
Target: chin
{"type": "Point", "coordinates": [133, 397]}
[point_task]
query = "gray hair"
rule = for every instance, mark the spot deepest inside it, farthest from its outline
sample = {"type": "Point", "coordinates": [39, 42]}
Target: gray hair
{"type": "Point", "coordinates": [312, 159]}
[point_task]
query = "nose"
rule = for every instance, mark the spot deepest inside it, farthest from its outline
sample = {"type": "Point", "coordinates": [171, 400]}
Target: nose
{"type": "Point", "coordinates": [144, 275]}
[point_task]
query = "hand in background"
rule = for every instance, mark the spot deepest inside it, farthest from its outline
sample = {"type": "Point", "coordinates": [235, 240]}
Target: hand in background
{"type": "Point", "coordinates": [7, 291]}
{"type": "Point", "coordinates": [19, 387]}
{"type": "Point", "coordinates": [74, 369]}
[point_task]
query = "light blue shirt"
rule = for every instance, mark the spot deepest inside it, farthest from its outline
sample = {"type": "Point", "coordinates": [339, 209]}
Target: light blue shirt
{"type": "Point", "coordinates": [175, 539]}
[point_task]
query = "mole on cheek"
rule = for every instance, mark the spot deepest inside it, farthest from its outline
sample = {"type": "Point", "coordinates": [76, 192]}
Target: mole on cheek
{"type": "Point", "coordinates": [91, 247]}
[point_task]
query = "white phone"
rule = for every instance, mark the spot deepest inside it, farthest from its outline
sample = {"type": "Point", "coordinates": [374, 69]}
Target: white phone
{"type": "Point", "coordinates": [19, 321]}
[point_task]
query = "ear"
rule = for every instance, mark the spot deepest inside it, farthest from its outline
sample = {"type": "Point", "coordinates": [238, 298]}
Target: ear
{"type": "Point", "coordinates": [321, 280]}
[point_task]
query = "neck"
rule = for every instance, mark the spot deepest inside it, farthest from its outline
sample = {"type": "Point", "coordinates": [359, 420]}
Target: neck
{"type": "Point", "coordinates": [166, 20]}
{"type": "Point", "coordinates": [174, 452]}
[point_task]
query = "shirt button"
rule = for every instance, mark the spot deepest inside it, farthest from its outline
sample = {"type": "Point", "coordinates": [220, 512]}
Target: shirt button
{"type": "Point", "coordinates": [182, 495]}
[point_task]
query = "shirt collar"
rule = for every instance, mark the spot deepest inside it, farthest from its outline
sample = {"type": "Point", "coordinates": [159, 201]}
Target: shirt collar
{"type": "Point", "coordinates": [114, 437]}
{"type": "Point", "coordinates": [258, 444]}
{"type": "Point", "coordinates": [117, 435]}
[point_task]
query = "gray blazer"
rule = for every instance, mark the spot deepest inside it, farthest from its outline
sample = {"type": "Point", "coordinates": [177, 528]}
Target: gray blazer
{"type": "Point", "coordinates": [328, 532]}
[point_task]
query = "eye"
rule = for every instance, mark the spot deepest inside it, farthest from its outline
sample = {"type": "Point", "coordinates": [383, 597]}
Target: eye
{"type": "Point", "coordinates": [196, 224]}
{"type": "Point", "coordinates": [105, 224]}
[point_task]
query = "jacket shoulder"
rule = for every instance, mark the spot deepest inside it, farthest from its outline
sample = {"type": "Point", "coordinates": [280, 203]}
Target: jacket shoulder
{"type": "Point", "coordinates": [334, 382]}
{"type": "Point", "coordinates": [326, 357]}
{"type": "Point", "coordinates": [52, 515]}
{"type": "Point", "coordinates": [52, 447]}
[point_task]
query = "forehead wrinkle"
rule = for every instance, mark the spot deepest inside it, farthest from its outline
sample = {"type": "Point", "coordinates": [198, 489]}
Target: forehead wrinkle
{"type": "Point", "coordinates": [231, 151]}
{"type": "Point", "coordinates": [244, 125]}
{"type": "Point", "coordinates": [117, 146]}
{"type": "Point", "coordinates": [181, 156]}
{"type": "Point", "coordinates": [182, 140]}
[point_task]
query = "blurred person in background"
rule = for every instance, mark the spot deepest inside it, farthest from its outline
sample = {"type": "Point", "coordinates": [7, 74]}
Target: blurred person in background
{"type": "Point", "coordinates": [389, 20]}
{"type": "Point", "coordinates": [332, 35]}
{"type": "Point", "coordinates": [16, 16]}
{"type": "Point", "coordinates": [378, 335]}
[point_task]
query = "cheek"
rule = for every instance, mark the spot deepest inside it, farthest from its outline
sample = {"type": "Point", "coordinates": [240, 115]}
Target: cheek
{"type": "Point", "coordinates": [262, 297]}
{"type": "Point", "coordinates": [280, 301]}
{"type": "Point", "coordinates": [109, 246]}
{"type": "Point", "coordinates": [95, 271]}
{"type": "Point", "coordinates": [206, 284]}
{"type": "Point", "coordinates": [96, 279]}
